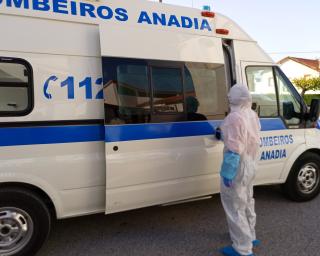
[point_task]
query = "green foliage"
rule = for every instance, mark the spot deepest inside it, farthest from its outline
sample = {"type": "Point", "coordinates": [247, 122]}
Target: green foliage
{"type": "Point", "coordinates": [307, 84]}
{"type": "Point", "coordinates": [309, 97]}
{"type": "Point", "coordinates": [316, 83]}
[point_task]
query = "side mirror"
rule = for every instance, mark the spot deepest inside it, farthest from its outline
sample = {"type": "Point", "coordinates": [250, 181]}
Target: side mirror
{"type": "Point", "coordinates": [314, 110]}
{"type": "Point", "coordinates": [288, 110]}
{"type": "Point", "coordinates": [256, 108]}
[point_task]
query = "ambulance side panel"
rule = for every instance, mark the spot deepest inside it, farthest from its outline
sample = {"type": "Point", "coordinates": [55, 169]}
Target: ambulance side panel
{"type": "Point", "coordinates": [59, 146]}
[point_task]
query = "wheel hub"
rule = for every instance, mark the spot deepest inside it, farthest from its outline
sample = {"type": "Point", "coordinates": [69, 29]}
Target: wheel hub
{"type": "Point", "coordinates": [308, 178]}
{"type": "Point", "coordinates": [16, 228]}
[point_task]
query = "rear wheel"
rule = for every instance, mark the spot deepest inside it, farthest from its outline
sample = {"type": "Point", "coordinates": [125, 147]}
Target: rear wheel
{"type": "Point", "coordinates": [24, 222]}
{"type": "Point", "coordinates": [303, 183]}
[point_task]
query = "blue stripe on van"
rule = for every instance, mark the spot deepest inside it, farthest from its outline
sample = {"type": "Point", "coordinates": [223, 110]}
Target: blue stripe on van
{"type": "Point", "coordinates": [114, 133]}
{"type": "Point", "coordinates": [50, 135]}
{"type": "Point", "coordinates": [271, 124]}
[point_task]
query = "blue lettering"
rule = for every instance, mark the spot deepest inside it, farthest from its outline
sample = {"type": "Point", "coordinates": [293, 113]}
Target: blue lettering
{"type": "Point", "coordinates": [268, 155]}
{"type": "Point", "coordinates": [59, 5]}
{"type": "Point", "coordinates": [46, 87]}
{"type": "Point", "coordinates": [205, 25]}
{"type": "Point", "coordinates": [99, 95]}
{"type": "Point", "coordinates": [282, 140]}
{"type": "Point", "coordinates": [264, 141]}
{"type": "Point", "coordinates": [144, 18]}
{"type": "Point", "coordinates": [186, 22]}
{"type": "Point", "coordinates": [284, 153]}
{"type": "Point", "coordinates": [87, 84]}
{"type": "Point", "coordinates": [18, 3]}
{"type": "Point", "coordinates": [272, 154]}
{"type": "Point", "coordinates": [196, 23]}
{"type": "Point", "coordinates": [73, 8]}
{"type": "Point", "coordinates": [173, 21]}
{"type": "Point", "coordinates": [69, 83]}
{"type": "Point", "coordinates": [286, 139]}
{"type": "Point", "coordinates": [87, 9]}
{"type": "Point", "coordinates": [105, 12]}
{"type": "Point", "coordinates": [41, 5]}
{"type": "Point", "coordinates": [122, 14]}
{"type": "Point", "coordinates": [291, 139]}
{"type": "Point", "coordinates": [159, 19]}
{"type": "Point", "coordinates": [270, 141]}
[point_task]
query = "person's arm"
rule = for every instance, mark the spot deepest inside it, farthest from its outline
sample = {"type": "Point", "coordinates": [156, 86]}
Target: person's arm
{"type": "Point", "coordinates": [234, 134]}
{"type": "Point", "coordinates": [235, 145]}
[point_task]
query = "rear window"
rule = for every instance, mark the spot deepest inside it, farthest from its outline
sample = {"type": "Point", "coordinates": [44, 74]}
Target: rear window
{"type": "Point", "coordinates": [15, 87]}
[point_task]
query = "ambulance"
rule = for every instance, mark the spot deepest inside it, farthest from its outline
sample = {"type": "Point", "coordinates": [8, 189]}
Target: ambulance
{"type": "Point", "coordinates": [108, 106]}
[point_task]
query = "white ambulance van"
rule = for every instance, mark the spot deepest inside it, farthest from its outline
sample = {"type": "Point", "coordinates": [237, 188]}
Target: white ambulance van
{"type": "Point", "coordinates": [107, 106]}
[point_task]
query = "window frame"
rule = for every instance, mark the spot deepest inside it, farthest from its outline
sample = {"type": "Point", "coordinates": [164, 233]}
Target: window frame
{"type": "Point", "coordinates": [295, 94]}
{"type": "Point", "coordinates": [292, 89]}
{"type": "Point", "coordinates": [29, 86]}
{"type": "Point", "coordinates": [166, 65]}
{"type": "Point", "coordinates": [275, 86]}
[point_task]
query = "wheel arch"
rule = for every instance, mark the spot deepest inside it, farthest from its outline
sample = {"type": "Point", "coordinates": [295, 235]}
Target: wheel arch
{"type": "Point", "coordinates": [301, 151]}
{"type": "Point", "coordinates": [37, 191]}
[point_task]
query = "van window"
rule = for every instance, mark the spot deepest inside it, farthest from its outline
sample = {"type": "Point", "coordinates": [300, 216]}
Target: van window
{"type": "Point", "coordinates": [149, 91]}
{"type": "Point", "coordinates": [167, 90]}
{"type": "Point", "coordinates": [263, 91]}
{"type": "Point", "coordinates": [15, 87]}
{"type": "Point", "coordinates": [126, 91]}
{"type": "Point", "coordinates": [286, 96]}
{"type": "Point", "coordinates": [206, 91]}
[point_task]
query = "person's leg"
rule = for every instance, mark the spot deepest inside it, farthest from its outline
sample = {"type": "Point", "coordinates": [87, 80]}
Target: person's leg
{"type": "Point", "coordinates": [251, 214]}
{"type": "Point", "coordinates": [234, 201]}
{"type": "Point", "coordinates": [250, 210]}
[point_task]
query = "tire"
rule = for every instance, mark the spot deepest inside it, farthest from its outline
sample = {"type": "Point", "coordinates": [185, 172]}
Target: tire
{"type": "Point", "coordinates": [303, 183]}
{"type": "Point", "coordinates": [22, 210]}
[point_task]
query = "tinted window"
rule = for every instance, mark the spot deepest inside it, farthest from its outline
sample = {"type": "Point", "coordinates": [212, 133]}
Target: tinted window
{"type": "Point", "coordinates": [15, 87]}
{"type": "Point", "coordinates": [262, 88]}
{"type": "Point", "coordinates": [205, 91]}
{"type": "Point", "coordinates": [167, 90]}
{"type": "Point", "coordinates": [126, 91]}
{"type": "Point", "coordinates": [141, 91]}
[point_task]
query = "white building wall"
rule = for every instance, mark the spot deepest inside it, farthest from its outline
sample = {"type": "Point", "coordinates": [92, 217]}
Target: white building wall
{"type": "Point", "coordinates": [296, 70]}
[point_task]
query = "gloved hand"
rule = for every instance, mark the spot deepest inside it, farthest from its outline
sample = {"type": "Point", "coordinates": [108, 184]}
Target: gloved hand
{"type": "Point", "coordinates": [218, 133]}
{"type": "Point", "coordinates": [227, 182]}
{"type": "Point", "coordinates": [229, 167]}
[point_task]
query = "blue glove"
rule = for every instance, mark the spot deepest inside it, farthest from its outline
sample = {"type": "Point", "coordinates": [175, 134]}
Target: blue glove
{"type": "Point", "coordinates": [229, 167]}
{"type": "Point", "coordinates": [227, 182]}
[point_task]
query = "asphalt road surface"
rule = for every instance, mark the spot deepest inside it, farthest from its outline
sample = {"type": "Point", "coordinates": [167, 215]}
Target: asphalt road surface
{"type": "Point", "coordinates": [191, 229]}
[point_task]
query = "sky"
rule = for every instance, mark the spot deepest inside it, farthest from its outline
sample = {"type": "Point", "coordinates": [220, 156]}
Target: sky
{"type": "Point", "coordinates": [281, 27]}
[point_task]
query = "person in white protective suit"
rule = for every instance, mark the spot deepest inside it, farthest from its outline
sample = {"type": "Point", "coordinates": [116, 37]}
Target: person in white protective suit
{"type": "Point", "coordinates": [240, 131]}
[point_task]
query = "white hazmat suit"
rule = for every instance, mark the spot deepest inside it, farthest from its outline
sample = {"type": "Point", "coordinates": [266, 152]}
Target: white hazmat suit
{"type": "Point", "coordinates": [240, 130]}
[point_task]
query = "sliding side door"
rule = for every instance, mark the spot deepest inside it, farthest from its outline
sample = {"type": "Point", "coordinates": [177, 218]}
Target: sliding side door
{"type": "Point", "coordinates": [160, 119]}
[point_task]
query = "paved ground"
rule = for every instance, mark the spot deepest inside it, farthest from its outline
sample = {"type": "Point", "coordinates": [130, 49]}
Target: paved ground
{"type": "Point", "coordinates": [192, 229]}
